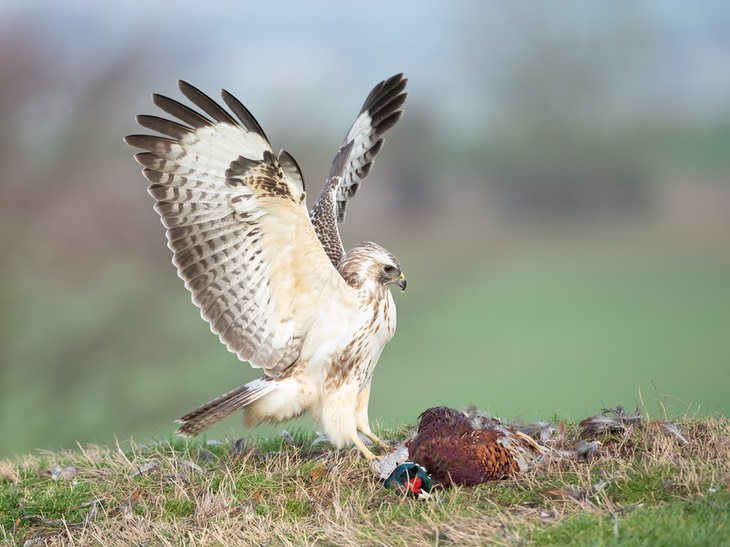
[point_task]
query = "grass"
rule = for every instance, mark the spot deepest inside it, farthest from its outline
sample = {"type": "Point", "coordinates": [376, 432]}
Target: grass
{"type": "Point", "coordinates": [644, 487]}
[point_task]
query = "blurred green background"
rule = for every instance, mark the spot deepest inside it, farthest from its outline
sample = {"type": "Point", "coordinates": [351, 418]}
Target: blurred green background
{"type": "Point", "coordinates": [558, 193]}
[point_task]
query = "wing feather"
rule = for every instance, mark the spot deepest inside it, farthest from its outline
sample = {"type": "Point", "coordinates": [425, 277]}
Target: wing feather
{"type": "Point", "coordinates": [380, 111]}
{"type": "Point", "coordinates": [180, 111]}
{"type": "Point", "coordinates": [324, 212]}
{"type": "Point", "coordinates": [238, 226]}
{"type": "Point", "coordinates": [166, 127]}
{"type": "Point", "coordinates": [180, 193]}
{"type": "Point", "coordinates": [209, 106]}
{"type": "Point", "coordinates": [249, 122]}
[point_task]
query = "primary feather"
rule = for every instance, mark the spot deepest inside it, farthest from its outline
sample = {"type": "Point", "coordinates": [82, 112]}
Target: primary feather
{"type": "Point", "coordinates": [380, 112]}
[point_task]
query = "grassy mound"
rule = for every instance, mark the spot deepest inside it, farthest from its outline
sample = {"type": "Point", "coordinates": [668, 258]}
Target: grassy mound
{"type": "Point", "coordinates": [640, 486]}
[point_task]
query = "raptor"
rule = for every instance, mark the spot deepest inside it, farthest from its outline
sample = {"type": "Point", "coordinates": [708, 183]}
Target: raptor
{"type": "Point", "coordinates": [272, 279]}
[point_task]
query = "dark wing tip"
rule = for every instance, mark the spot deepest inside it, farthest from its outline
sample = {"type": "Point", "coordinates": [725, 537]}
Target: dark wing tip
{"type": "Point", "coordinates": [384, 92]}
{"type": "Point", "coordinates": [180, 111]}
{"type": "Point", "coordinates": [389, 121]}
{"type": "Point", "coordinates": [188, 89]}
{"type": "Point", "coordinates": [161, 125]}
{"type": "Point", "coordinates": [383, 106]}
{"type": "Point", "coordinates": [150, 143]}
{"type": "Point", "coordinates": [243, 113]}
{"type": "Point", "coordinates": [208, 105]}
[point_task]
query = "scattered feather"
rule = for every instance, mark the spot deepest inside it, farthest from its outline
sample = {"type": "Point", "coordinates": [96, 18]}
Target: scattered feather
{"type": "Point", "coordinates": [577, 493]}
{"type": "Point", "coordinates": [587, 450]}
{"type": "Point", "coordinates": [214, 442]}
{"type": "Point", "coordinates": [239, 447]}
{"type": "Point", "coordinates": [63, 473]}
{"type": "Point", "coordinates": [673, 431]}
{"type": "Point", "coordinates": [620, 413]}
{"type": "Point", "coordinates": [609, 421]}
{"type": "Point", "coordinates": [127, 505]}
{"type": "Point", "coordinates": [189, 465]}
{"type": "Point", "coordinates": [146, 468]}
{"type": "Point", "coordinates": [384, 466]}
{"type": "Point", "coordinates": [543, 432]}
{"type": "Point", "coordinates": [206, 456]}
{"type": "Point", "coordinates": [320, 440]}
{"type": "Point", "coordinates": [288, 439]}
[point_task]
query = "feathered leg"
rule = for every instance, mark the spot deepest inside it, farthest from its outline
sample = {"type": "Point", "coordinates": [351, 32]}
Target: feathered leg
{"type": "Point", "coordinates": [361, 415]}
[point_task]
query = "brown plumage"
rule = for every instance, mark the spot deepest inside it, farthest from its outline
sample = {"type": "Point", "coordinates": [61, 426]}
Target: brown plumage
{"type": "Point", "coordinates": [609, 421]}
{"type": "Point", "coordinates": [456, 450]}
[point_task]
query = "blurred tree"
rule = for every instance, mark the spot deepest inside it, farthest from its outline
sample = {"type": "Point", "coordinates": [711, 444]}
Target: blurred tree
{"type": "Point", "coordinates": [555, 148]}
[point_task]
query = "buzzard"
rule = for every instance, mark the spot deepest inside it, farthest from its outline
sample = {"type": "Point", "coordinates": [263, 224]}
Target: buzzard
{"type": "Point", "coordinates": [273, 280]}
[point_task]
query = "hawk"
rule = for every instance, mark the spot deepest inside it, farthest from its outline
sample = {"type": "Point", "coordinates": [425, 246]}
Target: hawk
{"type": "Point", "coordinates": [274, 281]}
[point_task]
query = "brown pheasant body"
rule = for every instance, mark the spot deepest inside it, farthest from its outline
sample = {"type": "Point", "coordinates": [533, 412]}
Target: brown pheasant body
{"type": "Point", "coordinates": [458, 450]}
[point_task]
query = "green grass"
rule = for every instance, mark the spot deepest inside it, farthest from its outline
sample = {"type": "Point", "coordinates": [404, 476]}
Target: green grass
{"type": "Point", "coordinates": [659, 492]}
{"type": "Point", "coordinates": [701, 521]}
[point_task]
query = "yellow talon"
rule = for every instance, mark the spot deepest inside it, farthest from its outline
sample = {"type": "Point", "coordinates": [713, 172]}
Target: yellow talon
{"type": "Point", "coordinates": [374, 438]}
{"type": "Point", "coordinates": [364, 449]}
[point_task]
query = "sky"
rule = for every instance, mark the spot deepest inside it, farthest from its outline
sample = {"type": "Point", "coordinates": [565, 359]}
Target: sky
{"type": "Point", "coordinates": [456, 52]}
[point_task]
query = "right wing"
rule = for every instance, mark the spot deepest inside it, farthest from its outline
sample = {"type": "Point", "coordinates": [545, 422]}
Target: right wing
{"type": "Point", "coordinates": [380, 112]}
{"type": "Point", "coordinates": [237, 223]}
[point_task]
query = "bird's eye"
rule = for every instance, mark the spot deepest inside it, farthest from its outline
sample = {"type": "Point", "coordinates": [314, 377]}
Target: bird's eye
{"type": "Point", "coordinates": [389, 269]}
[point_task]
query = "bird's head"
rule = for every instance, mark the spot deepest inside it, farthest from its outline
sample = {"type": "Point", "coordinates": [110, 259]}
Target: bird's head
{"type": "Point", "coordinates": [370, 263]}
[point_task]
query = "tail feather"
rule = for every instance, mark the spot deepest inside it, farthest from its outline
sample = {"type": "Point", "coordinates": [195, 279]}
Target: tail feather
{"type": "Point", "coordinates": [200, 419]}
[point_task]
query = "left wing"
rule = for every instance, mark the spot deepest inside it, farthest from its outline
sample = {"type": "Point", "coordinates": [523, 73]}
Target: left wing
{"type": "Point", "coordinates": [238, 225]}
{"type": "Point", "coordinates": [380, 112]}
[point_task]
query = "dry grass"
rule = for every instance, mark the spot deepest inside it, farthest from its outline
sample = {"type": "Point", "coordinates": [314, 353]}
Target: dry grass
{"type": "Point", "coordinates": [635, 488]}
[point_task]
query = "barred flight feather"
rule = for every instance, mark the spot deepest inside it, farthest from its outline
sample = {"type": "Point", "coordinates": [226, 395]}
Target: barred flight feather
{"type": "Point", "coordinates": [380, 111]}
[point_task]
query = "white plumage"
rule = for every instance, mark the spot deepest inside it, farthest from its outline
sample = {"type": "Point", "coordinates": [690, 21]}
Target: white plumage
{"type": "Point", "coordinates": [275, 285]}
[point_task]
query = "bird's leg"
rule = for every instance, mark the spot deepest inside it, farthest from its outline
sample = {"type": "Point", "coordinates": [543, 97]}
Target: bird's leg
{"type": "Point", "coordinates": [361, 415]}
{"type": "Point", "coordinates": [372, 436]}
{"type": "Point", "coordinates": [364, 449]}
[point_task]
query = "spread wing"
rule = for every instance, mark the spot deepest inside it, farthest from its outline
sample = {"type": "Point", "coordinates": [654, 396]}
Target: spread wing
{"type": "Point", "coordinates": [237, 223]}
{"type": "Point", "coordinates": [324, 212]}
{"type": "Point", "coordinates": [380, 112]}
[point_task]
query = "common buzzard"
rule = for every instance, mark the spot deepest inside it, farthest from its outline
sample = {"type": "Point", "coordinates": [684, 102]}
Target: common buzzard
{"type": "Point", "coordinates": [273, 281]}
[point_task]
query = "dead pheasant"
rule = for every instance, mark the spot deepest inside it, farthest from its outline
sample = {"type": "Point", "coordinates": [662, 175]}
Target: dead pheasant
{"type": "Point", "coordinates": [457, 449]}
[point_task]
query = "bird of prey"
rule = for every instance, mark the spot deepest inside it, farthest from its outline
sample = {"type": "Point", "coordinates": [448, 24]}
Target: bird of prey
{"type": "Point", "coordinates": [273, 280]}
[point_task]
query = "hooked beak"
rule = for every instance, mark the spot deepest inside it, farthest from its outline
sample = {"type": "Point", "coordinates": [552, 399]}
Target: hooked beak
{"type": "Point", "coordinates": [402, 282]}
